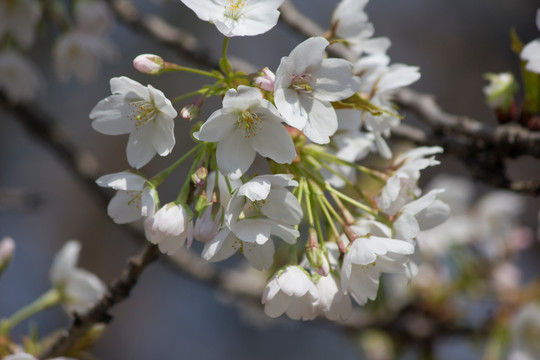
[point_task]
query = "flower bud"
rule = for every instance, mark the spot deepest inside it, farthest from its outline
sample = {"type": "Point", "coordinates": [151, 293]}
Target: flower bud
{"type": "Point", "coordinates": [190, 112]}
{"type": "Point", "coordinates": [148, 64]}
{"type": "Point", "coordinates": [7, 248]}
{"type": "Point", "coordinates": [207, 225]}
{"type": "Point", "coordinates": [199, 176]}
{"type": "Point", "coordinates": [318, 261]}
{"type": "Point", "coordinates": [265, 79]}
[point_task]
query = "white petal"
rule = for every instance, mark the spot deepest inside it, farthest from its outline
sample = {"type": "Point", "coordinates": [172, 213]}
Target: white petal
{"type": "Point", "coordinates": [256, 189]}
{"type": "Point", "coordinates": [110, 116]}
{"type": "Point", "coordinates": [307, 54]}
{"type": "Point", "coordinates": [218, 126]}
{"type": "Point", "coordinates": [123, 208]}
{"type": "Point", "coordinates": [260, 257]}
{"type": "Point", "coordinates": [322, 122]}
{"type": "Point", "coordinates": [82, 289]}
{"type": "Point", "coordinates": [234, 155]}
{"type": "Point", "coordinates": [221, 247]}
{"type": "Point", "coordinates": [294, 282]}
{"type": "Point", "coordinates": [335, 80]}
{"type": "Point", "coordinates": [273, 141]}
{"type": "Point", "coordinates": [163, 134]}
{"type": "Point", "coordinates": [65, 262]}
{"type": "Point", "coordinates": [251, 230]}
{"type": "Point", "coordinates": [140, 149]}
{"type": "Point", "coordinates": [283, 206]}
{"type": "Point", "coordinates": [122, 181]}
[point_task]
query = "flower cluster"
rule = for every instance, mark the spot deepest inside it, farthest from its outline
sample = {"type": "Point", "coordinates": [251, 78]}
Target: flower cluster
{"type": "Point", "coordinates": [281, 158]}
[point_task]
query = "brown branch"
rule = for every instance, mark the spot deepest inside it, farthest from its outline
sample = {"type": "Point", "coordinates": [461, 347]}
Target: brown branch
{"type": "Point", "coordinates": [508, 140]}
{"type": "Point", "coordinates": [118, 290]}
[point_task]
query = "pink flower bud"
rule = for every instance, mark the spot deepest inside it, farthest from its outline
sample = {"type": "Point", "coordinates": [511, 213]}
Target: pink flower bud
{"type": "Point", "coordinates": [199, 176]}
{"type": "Point", "coordinates": [190, 112]}
{"type": "Point", "coordinates": [7, 248]}
{"type": "Point", "coordinates": [266, 80]}
{"type": "Point", "coordinates": [148, 64]}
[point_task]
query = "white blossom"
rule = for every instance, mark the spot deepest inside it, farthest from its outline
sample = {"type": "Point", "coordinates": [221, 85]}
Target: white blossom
{"type": "Point", "coordinates": [19, 19]}
{"type": "Point", "coordinates": [401, 187]}
{"type": "Point", "coordinates": [134, 199]}
{"type": "Point", "coordinates": [19, 78]}
{"type": "Point", "coordinates": [142, 112]}
{"type": "Point", "coordinates": [260, 208]}
{"type": "Point", "coordinates": [333, 303]}
{"type": "Point", "coordinates": [367, 257]}
{"type": "Point", "coordinates": [169, 228]}
{"type": "Point", "coordinates": [305, 85]}
{"type": "Point", "coordinates": [350, 22]}
{"type": "Point", "coordinates": [292, 292]}
{"type": "Point", "coordinates": [238, 17]}
{"type": "Point", "coordinates": [247, 124]}
{"type": "Point", "coordinates": [531, 51]}
{"type": "Point", "coordinates": [79, 288]}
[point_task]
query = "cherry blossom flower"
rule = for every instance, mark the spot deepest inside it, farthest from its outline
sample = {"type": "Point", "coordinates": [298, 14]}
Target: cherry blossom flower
{"type": "Point", "coordinates": [305, 85]}
{"type": "Point", "coordinates": [134, 199]}
{"type": "Point", "coordinates": [292, 292]}
{"type": "Point", "coordinates": [367, 257]}
{"type": "Point", "coordinates": [79, 288]}
{"type": "Point", "coordinates": [169, 228]}
{"type": "Point", "coordinates": [333, 303]}
{"type": "Point", "coordinates": [142, 112]}
{"type": "Point", "coordinates": [238, 17]}
{"type": "Point", "coordinates": [531, 51]}
{"type": "Point", "coordinates": [19, 19]}
{"type": "Point", "coordinates": [247, 124]}
{"type": "Point", "coordinates": [350, 23]}
{"type": "Point", "coordinates": [260, 208]}
{"type": "Point", "coordinates": [401, 187]}
{"type": "Point", "coordinates": [19, 78]}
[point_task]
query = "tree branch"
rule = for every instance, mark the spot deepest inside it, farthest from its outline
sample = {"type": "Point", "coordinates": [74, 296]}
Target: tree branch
{"type": "Point", "coordinates": [118, 290]}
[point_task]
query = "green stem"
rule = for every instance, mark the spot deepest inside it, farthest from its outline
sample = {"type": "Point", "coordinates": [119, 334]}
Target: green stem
{"type": "Point", "coordinates": [224, 49]}
{"type": "Point", "coordinates": [185, 96]}
{"type": "Point", "coordinates": [184, 191]}
{"type": "Point", "coordinates": [174, 67]}
{"type": "Point", "coordinates": [351, 200]}
{"type": "Point", "coordinates": [293, 255]}
{"type": "Point", "coordinates": [162, 175]}
{"type": "Point", "coordinates": [45, 301]}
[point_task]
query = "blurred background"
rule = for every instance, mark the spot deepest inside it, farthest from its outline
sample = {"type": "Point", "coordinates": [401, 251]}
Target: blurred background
{"type": "Point", "coordinates": [169, 315]}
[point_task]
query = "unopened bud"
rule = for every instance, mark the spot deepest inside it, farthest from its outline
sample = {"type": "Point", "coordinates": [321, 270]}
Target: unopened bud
{"type": "Point", "coordinates": [208, 224]}
{"type": "Point", "coordinates": [500, 90]}
{"type": "Point", "coordinates": [148, 64]}
{"type": "Point", "coordinates": [199, 176]}
{"type": "Point", "coordinates": [318, 261]}
{"type": "Point", "coordinates": [190, 112]}
{"type": "Point", "coordinates": [265, 79]}
{"type": "Point", "coordinates": [7, 248]}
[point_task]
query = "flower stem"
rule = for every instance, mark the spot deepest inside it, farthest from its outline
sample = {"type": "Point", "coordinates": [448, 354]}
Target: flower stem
{"type": "Point", "coordinates": [174, 67]}
{"type": "Point", "coordinates": [45, 301]}
{"type": "Point", "coordinates": [185, 96]}
{"type": "Point", "coordinates": [293, 255]}
{"type": "Point", "coordinates": [184, 191]}
{"type": "Point", "coordinates": [162, 175]}
{"type": "Point", "coordinates": [351, 200]}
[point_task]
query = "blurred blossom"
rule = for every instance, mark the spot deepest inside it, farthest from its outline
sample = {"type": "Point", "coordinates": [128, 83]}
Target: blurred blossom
{"type": "Point", "coordinates": [79, 288]}
{"type": "Point", "coordinates": [19, 18]}
{"type": "Point", "coordinates": [506, 278]}
{"type": "Point", "coordinates": [77, 53]}
{"type": "Point", "coordinates": [531, 51]}
{"type": "Point", "coordinates": [93, 17]}
{"type": "Point", "coordinates": [525, 332]}
{"type": "Point", "coordinates": [19, 78]}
